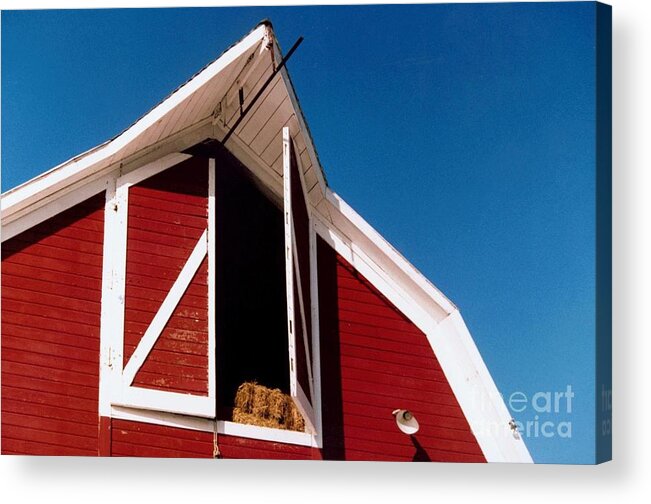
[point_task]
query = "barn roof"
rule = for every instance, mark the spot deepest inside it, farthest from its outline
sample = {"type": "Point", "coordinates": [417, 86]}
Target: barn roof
{"type": "Point", "coordinates": [207, 104]}
{"type": "Point", "coordinates": [206, 107]}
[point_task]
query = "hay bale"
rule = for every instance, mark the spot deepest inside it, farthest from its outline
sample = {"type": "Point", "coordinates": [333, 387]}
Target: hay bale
{"type": "Point", "coordinates": [248, 418]}
{"type": "Point", "coordinates": [278, 407]}
{"type": "Point", "coordinates": [256, 404]}
{"type": "Point", "coordinates": [295, 420]}
{"type": "Point", "coordinates": [244, 396]}
{"type": "Point", "coordinates": [260, 403]}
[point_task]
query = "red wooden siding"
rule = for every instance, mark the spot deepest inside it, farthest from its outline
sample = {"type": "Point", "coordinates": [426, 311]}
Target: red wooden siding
{"type": "Point", "coordinates": [167, 215]}
{"type": "Point", "coordinates": [233, 447]}
{"type": "Point", "coordinates": [374, 360]}
{"type": "Point", "coordinates": [51, 291]}
{"type": "Point", "coordinates": [137, 439]}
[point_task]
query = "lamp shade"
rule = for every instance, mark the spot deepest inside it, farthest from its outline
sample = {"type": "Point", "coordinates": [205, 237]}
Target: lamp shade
{"type": "Point", "coordinates": [406, 421]}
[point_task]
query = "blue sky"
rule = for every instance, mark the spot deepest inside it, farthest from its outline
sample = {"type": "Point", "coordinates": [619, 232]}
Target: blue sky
{"type": "Point", "coordinates": [463, 133]}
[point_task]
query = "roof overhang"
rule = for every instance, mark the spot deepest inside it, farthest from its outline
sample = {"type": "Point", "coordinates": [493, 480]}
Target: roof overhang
{"type": "Point", "coordinates": [206, 106]}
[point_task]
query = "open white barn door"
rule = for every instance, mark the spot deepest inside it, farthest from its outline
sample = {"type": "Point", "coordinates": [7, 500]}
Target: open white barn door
{"type": "Point", "coordinates": [299, 266]}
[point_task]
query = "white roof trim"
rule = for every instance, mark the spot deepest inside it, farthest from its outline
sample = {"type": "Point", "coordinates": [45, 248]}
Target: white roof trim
{"type": "Point", "coordinates": [21, 206]}
{"type": "Point", "coordinates": [395, 256]}
{"type": "Point", "coordinates": [402, 284]}
{"type": "Point", "coordinates": [71, 170]}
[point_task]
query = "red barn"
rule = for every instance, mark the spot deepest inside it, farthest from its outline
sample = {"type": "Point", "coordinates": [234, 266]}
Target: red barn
{"type": "Point", "coordinates": [144, 280]}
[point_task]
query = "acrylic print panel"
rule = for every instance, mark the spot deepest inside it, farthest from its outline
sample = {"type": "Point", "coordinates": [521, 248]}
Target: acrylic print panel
{"type": "Point", "coordinates": [454, 162]}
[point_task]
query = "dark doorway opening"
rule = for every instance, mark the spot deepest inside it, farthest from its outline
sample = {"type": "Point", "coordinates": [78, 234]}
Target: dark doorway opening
{"type": "Point", "coordinates": [251, 312]}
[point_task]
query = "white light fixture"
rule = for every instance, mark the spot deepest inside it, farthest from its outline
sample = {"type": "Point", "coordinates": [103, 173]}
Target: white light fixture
{"type": "Point", "coordinates": [406, 421]}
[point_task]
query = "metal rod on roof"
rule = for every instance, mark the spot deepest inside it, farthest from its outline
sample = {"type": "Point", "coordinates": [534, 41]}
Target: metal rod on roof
{"type": "Point", "coordinates": [264, 86]}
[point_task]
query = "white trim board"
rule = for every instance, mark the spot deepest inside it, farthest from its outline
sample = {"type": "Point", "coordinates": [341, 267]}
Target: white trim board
{"type": "Point", "coordinates": [162, 418]}
{"type": "Point", "coordinates": [265, 433]}
{"type": "Point", "coordinates": [152, 168]}
{"type": "Point", "coordinates": [212, 281]}
{"type": "Point", "coordinates": [108, 300]}
{"type": "Point", "coordinates": [165, 401]}
{"type": "Point", "coordinates": [222, 427]}
{"type": "Point", "coordinates": [80, 191]}
{"type": "Point", "coordinates": [476, 392]}
{"type": "Point", "coordinates": [71, 198]}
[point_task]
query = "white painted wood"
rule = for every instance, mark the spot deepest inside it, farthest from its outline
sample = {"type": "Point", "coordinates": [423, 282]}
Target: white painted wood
{"type": "Point", "coordinates": [137, 145]}
{"type": "Point", "coordinates": [217, 91]}
{"type": "Point", "coordinates": [113, 290]}
{"type": "Point", "coordinates": [170, 123]}
{"type": "Point", "coordinates": [190, 112]}
{"type": "Point", "coordinates": [272, 126]}
{"type": "Point", "coordinates": [302, 169]}
{"type": "Point", "coordinates": [305, 407]}
{"type": "Point", "coordinates": [367, 231]}
{"type": "Point", "coordinates": [277, 164]}
{"type": "Point", "coordinates": [356, 240]}
{"type": "Point", "coordinates": [261, 111]}
{"type": "Point", "coordinates": [225, 428]}
{"type": "Point", "coordinates": [166, 309]}
{"type": "Point", "coordinates": [176, 143]}
{"type": "Point", "coordinates": [76, 168]}
{"type": "Point", "coordinates": [265, 433]}
{"type": "Point", "coordinates": [374, 274]}
{"type": "Point", "coordinates": [163, 418]}
{"type": "Point", "coordinates": [60, 200]}
{"type": "Point", "coordinates": [385, 265]}
{"type": "Point", "coordinates": [272, 154]}
{"type": "Point", "coordinates": [289, 263]}
{"type": "Point", "coordinates": [164, 400]}
{"type": "Point", "coordinates": [252, 85]}
{"type": "Point", "coordinates": [67, 200]}
{"type": "Point", "coordinates": [153, 168]}
{"type": "Point", "coordinates": [212, 281]}
{"type": "Point", "coordinates": [108, 307]}
{"type": "Point", "coordinates": [476, 392]}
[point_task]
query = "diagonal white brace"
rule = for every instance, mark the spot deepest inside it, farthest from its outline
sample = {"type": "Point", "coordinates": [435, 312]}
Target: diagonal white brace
{"type": "Point", "coordinates": [166, 309]}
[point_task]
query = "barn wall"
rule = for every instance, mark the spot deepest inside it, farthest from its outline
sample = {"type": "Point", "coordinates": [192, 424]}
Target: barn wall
{"type": "Point", "coordinates": [375, 360]}
{"type": "Point", "coordinates": [138, 439]}
{"type": "Point", "coordinates": [234, 447]}
{"type": "Point", "coordinates": [51, 291]}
